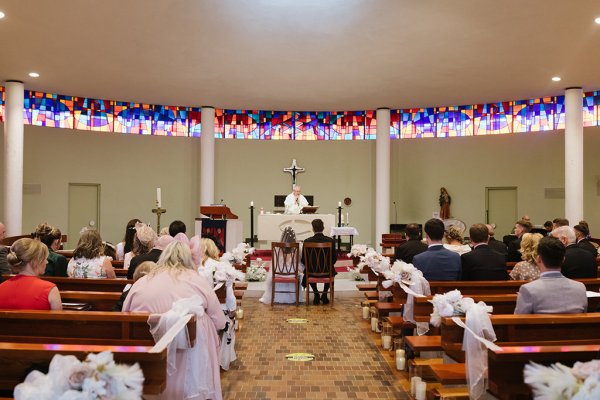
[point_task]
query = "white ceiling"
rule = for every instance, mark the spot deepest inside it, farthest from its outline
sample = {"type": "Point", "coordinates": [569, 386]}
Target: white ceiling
{"type": "Point", "coordinates": [302, 54]}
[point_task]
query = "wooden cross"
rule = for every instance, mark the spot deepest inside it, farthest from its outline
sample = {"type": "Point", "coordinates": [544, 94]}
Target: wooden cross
{"type": "Point", "coordinates": [293, 170]}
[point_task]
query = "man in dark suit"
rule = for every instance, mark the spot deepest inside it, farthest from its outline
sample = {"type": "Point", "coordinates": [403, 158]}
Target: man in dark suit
{"type": "Point", "coordinates": [521, 227]}
{"type": "Point", "coordinates": [437, 263]}
{"type": "Point", "coordinates": [496, 245]}
{"type": "Point", "coordinates": [318, 237]}
{"type": "Point", "coordinates": [153, 255]}
{"type": "Point", "coordinates": [578, 263]}
{"type": "Point", "coordinates": [551, 293]}
{"type": "Point", "coordinates": [482, 263]}
{"type": "Point", "coordinates": [413, 246]}
{"type": "Point", "coordinates": [582, 233]}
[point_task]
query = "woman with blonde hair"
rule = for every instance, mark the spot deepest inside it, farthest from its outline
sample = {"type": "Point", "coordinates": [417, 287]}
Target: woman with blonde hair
{"type": "Point", "coordinates": [175, 279]}
{"type": "Point", "coordinates": [527, 269]}
{"type": "Point", "coordinates": [25, 291]}
{"type": "Point", "coordinates": [88, 259]}
{"type": "Point", "coordinates": [454, 241]}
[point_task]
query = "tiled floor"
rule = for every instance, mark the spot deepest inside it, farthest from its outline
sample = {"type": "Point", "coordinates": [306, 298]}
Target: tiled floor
{"type": "Point", "coordinates": [347, 363]}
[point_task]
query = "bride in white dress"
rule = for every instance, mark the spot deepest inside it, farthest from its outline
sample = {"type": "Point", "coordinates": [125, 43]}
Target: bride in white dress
{"type": "Point", "coordinates": [288, 236]}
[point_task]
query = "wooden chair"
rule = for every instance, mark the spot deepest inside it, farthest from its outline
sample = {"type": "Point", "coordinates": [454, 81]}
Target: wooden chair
{"type": "Point", "coordinates": [318, 267]}
{"type": "Point", "coordinates": [284, 269]}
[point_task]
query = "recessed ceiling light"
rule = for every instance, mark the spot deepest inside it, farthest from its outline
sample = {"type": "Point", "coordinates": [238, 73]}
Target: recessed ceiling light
{"type": "Point", "coordinates": [2, 15]}
{"type": "Point", "coordinates": [34, 75]}
{"type": "Point", "coordinates": [597, 20]}
{"type": "Point", "coordinates": [556, 78]}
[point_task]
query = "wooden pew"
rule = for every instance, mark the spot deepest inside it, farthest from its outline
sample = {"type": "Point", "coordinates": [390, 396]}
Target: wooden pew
{"type": "Point", "coordinates": [79, 327]}
{"type": "Point", "coordinates": [93, 285]}
{"type": "Point", "coordinates": [505, 367]}
{"type": "Point", "coordinates": [99, 301]}
{"type": "Point", "coordinates": [20, 358]}
{"type": "Point", "coordinates": [524, 330]}
{"type": "Point", "coordinates": [121, 272]}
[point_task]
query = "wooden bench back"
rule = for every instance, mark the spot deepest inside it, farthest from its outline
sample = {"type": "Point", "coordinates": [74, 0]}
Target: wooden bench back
{"type": "Point", "coordinates": [18, 359]}
{"type": "Point", "coordinates": [522, 330]}
{"type": "Point", "coordinates": [79, 327]}
{"type": "Point", "coordinates": [93, 285]}
{"type": "Point", "coordinates": [99, 301]}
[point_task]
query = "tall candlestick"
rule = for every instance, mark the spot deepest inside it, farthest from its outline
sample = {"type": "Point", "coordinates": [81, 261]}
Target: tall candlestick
{"type": "Point", "coordinates": [158, 198]}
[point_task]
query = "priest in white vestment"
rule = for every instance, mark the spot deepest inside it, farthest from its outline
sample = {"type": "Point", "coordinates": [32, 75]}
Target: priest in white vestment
{"type": "Point", "coordinates": [295, 201]}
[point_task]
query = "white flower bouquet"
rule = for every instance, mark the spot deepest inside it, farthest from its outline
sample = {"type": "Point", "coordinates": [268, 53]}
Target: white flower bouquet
{"type": "Point", "coordinates": [447, 305]}
{"type": "Point", "coordinates": [256, 272]}
{"type": "Point", "coordinates": [375, 261]}
{"type": "Point", "coordinates": [98, 377]}
{"type": "Point", "coordinates": [402, 272]}
{"type": "Point", "coordinates": [238, 254]}
{"type": "Point", "coordinates": [559, 382]}
{"type": "Point", "coordinates": [358, 250]}
{"type": "Point", "coordinates": [225, 272]}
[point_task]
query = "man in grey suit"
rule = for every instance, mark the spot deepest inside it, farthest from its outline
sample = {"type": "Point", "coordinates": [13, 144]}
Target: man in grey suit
{"type": "Point", "coordinates": [551, 293]}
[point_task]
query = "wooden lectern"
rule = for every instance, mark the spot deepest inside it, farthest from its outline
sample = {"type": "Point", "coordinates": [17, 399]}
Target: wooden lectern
{"type": "Point", "coordinates": [221, 224]}
{"type": "Point", "coordinates": [217, 212]}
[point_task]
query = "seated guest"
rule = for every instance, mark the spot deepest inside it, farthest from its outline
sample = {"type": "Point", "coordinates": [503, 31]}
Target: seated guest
{"type": "Point", "coordinates": [521, 227]}
{"type": "Point", "coordinates": [143, 242]}
{"type": "Point", "coordinates": [548, 227]}
{"type": "Point", "coordinates": [51, 237]}
{"type": "Point", "coordinates": [437, 263]}
{"type": "Point", "coordinates": [153, 255]}
{"type": "Point", "coordinates": [174, 279]}
{"type": "Point", "coordinates": [578, 263]}
{"type": "Point", "coordinates": [319, 237]}
{"type": "Point", "coordinates": [413, 246]}
{"type": "Point", "coordinates": [126, 245]}
{"type": "Point", "coordinates": [210, 257]}
{"type": "Point", "coordinates": [558, 222]}
{"type": "Point", "coordinates": [494, 244]}
{"type": "Point", "coordinates": [4, 268]}
{"type": "Point", "coordinates": [454, 241]}
{"type": "Point", "coordinates": [582, 233]}
{"type": "Point", "coordinates": [109, 250]}
{"type": "Point", "coordinates": [483, 263]}
{"type": "Point", "coordinates": [142, 270]}
{"type": "Point", "coordinates": [527, 270]}
{"type": "Point", "coordinates": [285, 291]}
{"type": "Point", "coordinates": [176, 227]}
{"type": "Point", "coordinates": [552, 293]}
{"type": "Point", "coordinates": [25, 291]}
{"type": "Point", "coordinates": [88, 260]}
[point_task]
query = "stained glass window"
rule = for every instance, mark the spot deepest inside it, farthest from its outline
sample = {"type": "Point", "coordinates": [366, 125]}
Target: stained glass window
{"type": "Point", "coordinates": [169, 121]}
{"type": "Point", "coordinates": [277, 125]}
{"type": "Point", "coordinates": [194, 121]}
{"type": "Point", "coordinates": [418, 123]}
{"type": "Point", "coordinates": [533, 115]}
{"type": "Point", "coordinates": [51, 110]}
{"type": "Point", "coordinates": [1, 103]}
{"type": "Point", "coordinates": [454, 121]}
{"type": "Point", "coordinates": [306, 126]}
{"type": "Point", "coordinates": [395, 118]}
{"type": "Point", "coordinates": [492, 118]}
{"type": "Point", "coordinates": [134, 118]}
{"type": "Point", "coordinates": [241, 124]}
{"type": "Point", "coordinates": [591, 106]}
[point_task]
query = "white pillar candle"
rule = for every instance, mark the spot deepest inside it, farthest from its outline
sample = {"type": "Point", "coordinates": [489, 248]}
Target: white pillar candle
{"type": "Point", "coordinates": [386, 342]}
{"type": "Point", "coordinates": [348, 218]}
{"type": "Point", "coordinates": [413, 384]}
{"type": "Point", "coordinates": [420, 390]}
{"type": "Point", "coordinates": [158, 198]}
{"type": "Point", "coordinates": [374, 324]}
{"type": "Point", "coordinates": [339, 203]}
{"type": "Point", "coordinates": [252, 204]}
{"type": "Point", "coordinates": [239, 313]}
{"type": "Point", "coordinates": [365, 311]}
{"type": "Point", "coordinates": [236, 325]}
{"type": "Point", "coordinates": [400, 353]}
{"type": "Point", "coordinates": [400, 363]}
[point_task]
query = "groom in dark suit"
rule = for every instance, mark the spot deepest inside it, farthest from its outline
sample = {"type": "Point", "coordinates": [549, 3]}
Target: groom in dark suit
{"type": "Point", "coordinates": [437, 263]}
{"type": "Point", "coordinates": [318, 237]}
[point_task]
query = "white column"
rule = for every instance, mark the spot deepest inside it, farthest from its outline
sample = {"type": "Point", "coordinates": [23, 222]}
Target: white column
{"type": "Point", "coordinates": [13, 158]}
{"type": "Point", "coordinates": [574, 155]}
{"type": "Point", "coordinates": [382, 175]}
{"type": "Point", "coordinates": [207, 157]}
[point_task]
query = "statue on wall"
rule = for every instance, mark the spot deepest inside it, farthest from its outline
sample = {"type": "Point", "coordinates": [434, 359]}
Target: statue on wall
{"type": "Point", "coordinates": [445, 201]}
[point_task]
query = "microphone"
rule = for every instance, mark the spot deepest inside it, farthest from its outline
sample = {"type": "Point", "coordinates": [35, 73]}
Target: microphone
{"type": "Point", "coordinates": [396, 213]}
{"type": "Point", "coordinates": [221, 203]}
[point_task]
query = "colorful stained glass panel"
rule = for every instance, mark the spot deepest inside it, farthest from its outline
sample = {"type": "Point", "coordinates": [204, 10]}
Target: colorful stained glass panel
{"type": "Point", "coordinates": [133, 118]}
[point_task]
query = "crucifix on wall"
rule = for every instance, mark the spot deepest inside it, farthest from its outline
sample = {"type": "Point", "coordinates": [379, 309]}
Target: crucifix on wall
{"type": "Point", "coordinates": [293, 170]}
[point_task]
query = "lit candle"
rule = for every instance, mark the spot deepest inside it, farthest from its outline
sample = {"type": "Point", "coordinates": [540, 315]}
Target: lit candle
{"type": "Point", "coordinates": [400, 363]}
{"type": "Point", "coordinates": [348, 218]}
{"type": "Point", "coordinates": [386, 342]}
{"type": "Point", "coordinates": [339, 203]}
{"type": "Point", "coordinates": [413, 384]}
{"type": "Point", "coordinates": [252, 204]}
{"type": "Point", "coordinates": [365, 312]}
{"type": "Point", "coordinates": [158, 198]}
{"type": "Point", "coordinates": [421, 390]}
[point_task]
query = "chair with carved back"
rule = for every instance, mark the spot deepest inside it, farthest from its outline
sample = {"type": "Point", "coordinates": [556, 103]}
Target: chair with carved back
{"type": "Point", "coordinates": [285, 262]}
{"type": "Point", "coordinates": [318, 266]}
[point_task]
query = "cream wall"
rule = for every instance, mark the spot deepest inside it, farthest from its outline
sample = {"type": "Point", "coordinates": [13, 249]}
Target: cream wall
{"type": "Point", "coordinates": [129, 168]}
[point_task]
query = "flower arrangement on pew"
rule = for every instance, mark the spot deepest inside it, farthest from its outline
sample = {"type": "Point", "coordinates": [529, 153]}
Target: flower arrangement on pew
{"type": "Point", "coordinates": [225, 273]}
{"type": "Point", "coordinates": [238, 254]}
{"type": "Point", "coordinates": [447, 305]}
{"type": "Point", "coordinates": [98, 377]}
{"type": "Point", "coordinates": [256, 272]}
{"type": "Point", "coordinates": [559, 382]}
{"type": "Point", "coordinates": [358, 250]}
{"type": "Point", "coordinates": [377, 262]}
{"type": "Point", "coordinates": [402, 272]}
